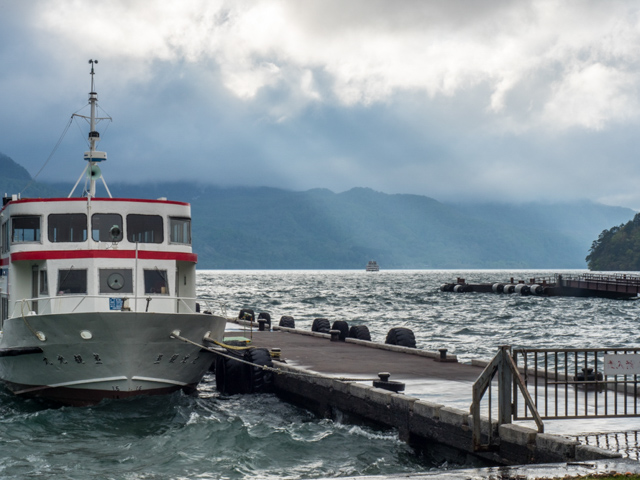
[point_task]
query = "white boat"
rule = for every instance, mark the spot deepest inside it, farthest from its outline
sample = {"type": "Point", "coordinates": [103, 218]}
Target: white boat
{"type": "Point", "coordinates": [94, 292]}
{"type": "Point", "coordinates": [372, 266]}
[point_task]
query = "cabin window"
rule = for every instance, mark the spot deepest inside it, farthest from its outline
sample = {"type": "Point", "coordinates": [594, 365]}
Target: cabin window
{"type": "Point", "coordinates": [4, 237]}
{"type": "Point", "coordinates": [67, 227]}
{"type": "Point", "coordinates": [116, 280]}
{"type": "Point", "coordinates": [144, 228]}
{"type": "Point", "coordinates": [72, 281]}
{"type": "Point", "coordinates": [4, 314]}
{"type": "Point", "coordinates": [106, 227]}
{"type": "Point", "coordinates": [180, 230]}
{"type": "Point", "coordinates": [25, 229]}
{"type": "Point", "coordinates": [155, 281]}
{"type": "Point", "coordinates": [44, 283]}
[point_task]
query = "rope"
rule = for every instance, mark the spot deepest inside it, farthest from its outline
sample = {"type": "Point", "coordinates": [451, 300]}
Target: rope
{"type": "Point", "coordinates": [64, 132]}
{"type": "Point", "coordinates": [39, 337]}
{"type": "Point", "coordinates": [224, 345]}
{"type": "Point", "coordinates": [265, 367]}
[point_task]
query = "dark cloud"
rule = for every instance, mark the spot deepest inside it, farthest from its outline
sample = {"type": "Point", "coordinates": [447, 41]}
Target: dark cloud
{"type": "Point", "coordinates": [456, 100]}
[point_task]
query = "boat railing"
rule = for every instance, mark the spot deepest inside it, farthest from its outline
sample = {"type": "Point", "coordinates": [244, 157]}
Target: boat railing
{"type": "Point", "coordinates": [100, 303]}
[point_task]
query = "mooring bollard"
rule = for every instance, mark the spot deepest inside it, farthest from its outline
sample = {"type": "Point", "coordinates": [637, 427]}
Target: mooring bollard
{"type": "Point", "coordinates": [261, 323]}
{"type": "Point", "coordinates": [275, 353]}
{"type": "Point", "coordinates": [444, 358]}
{"type": "Point", "coordinates": [335, 335]}
{"type": "Point", "coordinates": [387, 384]}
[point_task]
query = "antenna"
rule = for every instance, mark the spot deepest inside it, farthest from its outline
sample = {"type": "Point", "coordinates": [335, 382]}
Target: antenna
{"type": "Point", "coordinates": [92, 63]}
{"type": "Point", "coordinates": [93, 157]}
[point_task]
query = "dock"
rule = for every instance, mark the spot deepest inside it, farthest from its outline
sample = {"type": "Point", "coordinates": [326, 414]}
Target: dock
{"type": "Point", "coordinates": [618, 286]}
{"type": "Point", "coordinates": [424, 395]}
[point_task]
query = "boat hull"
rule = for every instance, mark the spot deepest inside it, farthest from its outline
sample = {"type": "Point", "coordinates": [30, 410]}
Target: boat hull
{"type": "Point", "coordinates": [83, 358]}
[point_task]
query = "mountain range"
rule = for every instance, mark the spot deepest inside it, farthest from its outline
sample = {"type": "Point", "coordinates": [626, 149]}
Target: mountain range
{"type": "Point", "coordinates": [271, 228]}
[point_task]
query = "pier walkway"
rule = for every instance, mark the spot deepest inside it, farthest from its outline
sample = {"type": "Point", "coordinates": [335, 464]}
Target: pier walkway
{"type": "Point", "coordinates": [434, 405]}
{"type": "Point", "coordinates": [448, 383]}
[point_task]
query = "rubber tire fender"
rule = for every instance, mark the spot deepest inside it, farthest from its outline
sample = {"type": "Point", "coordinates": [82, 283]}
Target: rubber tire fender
{"type": "Point", "coordinates": [257, 379]}
{"type": "Point", "coordinates": [361, 332]}
{"type": "Point", "coordinates": [321, 325]}
{"type": "Point", "coordinates": [401, 336]}
{"type": "Point", "coordinates": [343, 327]}
{"type": "Point", "coordinates": [266, 316]}
{"type": "Point", "coordinates": [287, 322]}
{"type": "Point", "coordinates": [229, 375]}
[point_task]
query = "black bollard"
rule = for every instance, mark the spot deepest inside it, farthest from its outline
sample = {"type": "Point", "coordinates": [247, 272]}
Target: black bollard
{"type": "Point", "coordinates": [387, 384]}
{"type": "Point", "coordinates": [443, 356]}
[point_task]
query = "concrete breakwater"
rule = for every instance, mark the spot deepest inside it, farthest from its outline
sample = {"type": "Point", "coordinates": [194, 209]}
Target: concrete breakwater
{"type": "Point", "coordinates": [312, 383]}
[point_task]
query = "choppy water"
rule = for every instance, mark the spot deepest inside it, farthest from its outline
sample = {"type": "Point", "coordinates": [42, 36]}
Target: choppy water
{"type": "Point", "coordinates": [208, 436]}
{"type": "Point", "coordinates": [469, 325]}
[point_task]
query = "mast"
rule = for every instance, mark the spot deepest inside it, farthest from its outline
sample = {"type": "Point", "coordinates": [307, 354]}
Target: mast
{"type": "Point", "coordinates": [93, 156]}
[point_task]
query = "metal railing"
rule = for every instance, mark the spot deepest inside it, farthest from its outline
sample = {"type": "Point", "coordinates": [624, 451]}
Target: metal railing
{"type": "Point", "coordinates": [547, 384]}
{"type": "Point", "coordinates": [615, 278]}
{"type": "Point", "coordinates": [579, 383]}
{"type": "Point", "coordinates": [73, 303]}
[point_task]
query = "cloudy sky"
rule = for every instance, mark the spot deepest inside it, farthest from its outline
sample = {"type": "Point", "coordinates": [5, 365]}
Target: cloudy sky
{"type": "Point", "coordinates": [470, 100]}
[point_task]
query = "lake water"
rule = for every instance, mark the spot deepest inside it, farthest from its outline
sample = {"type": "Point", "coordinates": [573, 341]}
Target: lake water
{"type": "Point", "coordinates": [208, 436]}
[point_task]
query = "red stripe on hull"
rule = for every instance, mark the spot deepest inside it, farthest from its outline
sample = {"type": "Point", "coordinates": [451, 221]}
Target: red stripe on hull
{"type": "Point", "coordinates": [70, 254]}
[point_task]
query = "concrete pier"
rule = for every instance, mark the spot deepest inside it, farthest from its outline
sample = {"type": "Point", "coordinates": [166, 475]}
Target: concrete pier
{"type": "Point", "coordinates": [312, 378]}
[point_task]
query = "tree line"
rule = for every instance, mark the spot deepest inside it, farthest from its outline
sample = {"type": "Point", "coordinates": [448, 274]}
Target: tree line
{"type": "Point", "coordinates": [617, 248]}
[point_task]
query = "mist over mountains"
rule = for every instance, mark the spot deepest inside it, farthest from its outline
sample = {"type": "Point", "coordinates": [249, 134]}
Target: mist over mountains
{"type": "Point", "coordinates": [270, 228]}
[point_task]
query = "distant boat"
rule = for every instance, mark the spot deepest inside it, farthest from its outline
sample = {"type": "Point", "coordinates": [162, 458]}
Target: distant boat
{"type": "Point", "coordinates": [372, 266]}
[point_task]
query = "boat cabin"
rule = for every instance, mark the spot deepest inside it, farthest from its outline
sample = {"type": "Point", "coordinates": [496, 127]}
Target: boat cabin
{"type": "Point", "coordinates": [64, 255]}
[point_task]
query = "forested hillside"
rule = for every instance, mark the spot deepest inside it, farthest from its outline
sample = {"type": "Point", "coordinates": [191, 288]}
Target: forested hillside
{"type": "Point", "coordinates": [617, 249]}
{"type": "Point", "coordinates": [273, 228]}
{"type": "Point", "coordinates": [270, 228]}
{"type": "Point", "coordinates": [15, 179]}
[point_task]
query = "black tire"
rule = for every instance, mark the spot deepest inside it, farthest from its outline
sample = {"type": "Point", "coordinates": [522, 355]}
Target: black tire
{"type": "Point", "coordinates": [266, 316]}
{"type": "Point", "coordinates": [287, 322]}
{"type": "Point", "coordinates": [402, 337]}
{"type": "Point", "coordinates": [321, 325]}
{"type": "Point", "coordinates": [247, 314]}
{"type": "Point", "coordinates": [258, 380]}
{"type": "Point", "coordinates": [361, 332]}
{"type": "Point", "coordinates": [343, 327]}
{"type": "Point", "coordinates": [230, 375]}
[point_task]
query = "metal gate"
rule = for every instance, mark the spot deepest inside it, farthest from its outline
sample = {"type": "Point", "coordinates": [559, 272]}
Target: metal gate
{"type": "Point", "coordinates": [545, 384]}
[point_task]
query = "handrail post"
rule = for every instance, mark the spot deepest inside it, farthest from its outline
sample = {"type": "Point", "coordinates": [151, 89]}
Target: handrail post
{"type": "Point", "coordinates": [505, 382]}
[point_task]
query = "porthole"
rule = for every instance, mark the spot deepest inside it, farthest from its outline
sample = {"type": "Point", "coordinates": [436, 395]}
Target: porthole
{"type": "Point", "coordinates": [115, 281]}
